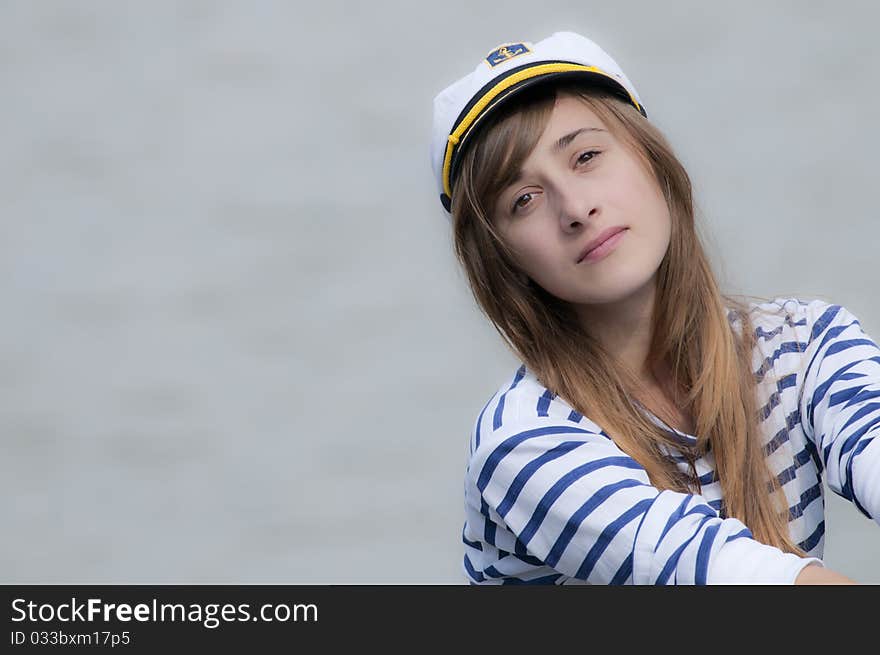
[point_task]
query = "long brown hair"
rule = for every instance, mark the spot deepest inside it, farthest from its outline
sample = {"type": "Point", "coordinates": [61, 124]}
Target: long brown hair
{"type": "Point", "coordinates": [706, 350]}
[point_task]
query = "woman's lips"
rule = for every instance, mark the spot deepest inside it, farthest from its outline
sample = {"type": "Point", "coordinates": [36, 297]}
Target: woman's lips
{"type": "Point", "coordinates": [606, 245]}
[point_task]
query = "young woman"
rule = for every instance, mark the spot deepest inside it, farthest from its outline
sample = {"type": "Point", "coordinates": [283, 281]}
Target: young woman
{"type": "Point", "coordinates": [658, 431]}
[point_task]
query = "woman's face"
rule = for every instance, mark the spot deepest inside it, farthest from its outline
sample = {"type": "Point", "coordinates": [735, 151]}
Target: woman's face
{"type": "Point", "coordinates": [579, 184]}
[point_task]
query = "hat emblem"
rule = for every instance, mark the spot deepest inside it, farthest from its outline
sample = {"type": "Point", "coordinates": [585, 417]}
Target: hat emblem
{"type": "Point", "coordinates": [504, 52]}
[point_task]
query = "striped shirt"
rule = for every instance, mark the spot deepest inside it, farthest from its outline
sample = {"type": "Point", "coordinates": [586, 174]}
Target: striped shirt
{"type": "Point", "coordinates": [550, 498]}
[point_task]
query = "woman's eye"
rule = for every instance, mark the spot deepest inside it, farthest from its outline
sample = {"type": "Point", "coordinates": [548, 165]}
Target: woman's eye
{"type": "Point", "coordinates": [522, 201]}
{"type": "Point", "coordinates": [587, 156]}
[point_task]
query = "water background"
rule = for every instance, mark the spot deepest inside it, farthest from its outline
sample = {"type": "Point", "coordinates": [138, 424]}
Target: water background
{"type": "Point", "coordinates": [235, 345]}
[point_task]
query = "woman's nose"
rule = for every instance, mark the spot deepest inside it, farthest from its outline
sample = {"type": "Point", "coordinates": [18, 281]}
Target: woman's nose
{"type": "Point", "coordinates": [576, 211]}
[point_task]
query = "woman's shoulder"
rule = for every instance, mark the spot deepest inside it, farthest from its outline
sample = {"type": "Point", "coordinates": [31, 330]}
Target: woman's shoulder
{"type": "Point", "coordinates": [773, 316]}
{"type": "Point", "coordinates": [522, 403]}
{"type": "Point", "coordinates": [789, 331]}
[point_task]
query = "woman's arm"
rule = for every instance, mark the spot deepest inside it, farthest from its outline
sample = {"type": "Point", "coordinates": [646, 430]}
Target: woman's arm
{"type": "Point", "coordinates": [817, 574]}
{"type": "Point", "coordinates": [840, 404]}
{"type": "Point", "coordinates": [572, 499]}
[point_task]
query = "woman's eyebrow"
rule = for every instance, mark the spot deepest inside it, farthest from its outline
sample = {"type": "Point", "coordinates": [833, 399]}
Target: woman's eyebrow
{"type": "Point", "coordinates": [568, 138]}
{"type": "Point", "coordinates": [560, 144]}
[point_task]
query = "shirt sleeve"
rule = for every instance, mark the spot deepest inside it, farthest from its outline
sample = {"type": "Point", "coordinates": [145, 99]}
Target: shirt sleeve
{"type": "Point", "coordinates": [585, 508]}
{"type": "Point", "coordinates": [840, 404]}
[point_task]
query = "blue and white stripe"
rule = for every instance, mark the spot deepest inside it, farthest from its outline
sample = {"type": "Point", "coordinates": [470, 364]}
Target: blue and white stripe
{"type": "Point", "coordinates": [550, 499]}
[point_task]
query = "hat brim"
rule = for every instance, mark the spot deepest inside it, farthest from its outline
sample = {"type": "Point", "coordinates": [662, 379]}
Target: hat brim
{"type": "Point", "coordinates": [503, 99]}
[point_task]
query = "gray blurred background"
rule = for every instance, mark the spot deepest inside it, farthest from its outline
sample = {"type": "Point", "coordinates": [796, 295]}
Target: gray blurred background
{"type": "Point", "coordinates": [235, 345]}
